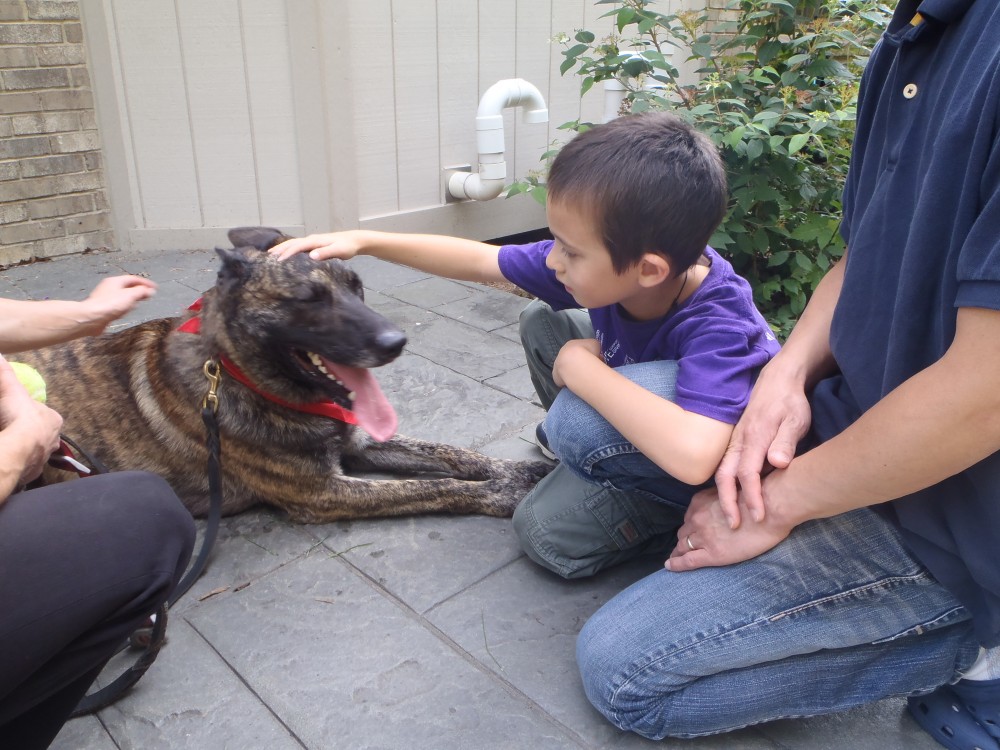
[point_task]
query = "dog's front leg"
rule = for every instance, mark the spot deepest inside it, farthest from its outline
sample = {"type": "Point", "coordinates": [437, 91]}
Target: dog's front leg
{"type": "Point", "coordinates": [403, 455]}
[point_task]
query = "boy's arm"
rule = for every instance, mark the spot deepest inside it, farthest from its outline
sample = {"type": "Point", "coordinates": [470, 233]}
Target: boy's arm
{"type": "Point", "coordinates": [452, 257]}
{"type": "Point", "coordinates": [686, 445]}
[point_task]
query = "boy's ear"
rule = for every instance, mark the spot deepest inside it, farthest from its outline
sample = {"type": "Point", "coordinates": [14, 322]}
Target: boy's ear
{"type": "Point", "coordinates": [653, 269]}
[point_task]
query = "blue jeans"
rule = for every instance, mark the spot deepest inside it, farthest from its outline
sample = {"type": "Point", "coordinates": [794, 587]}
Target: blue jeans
{"type": "Point", "coordinates": [837, 615]}
{"type": "Point", "coordinates": [605, 502]}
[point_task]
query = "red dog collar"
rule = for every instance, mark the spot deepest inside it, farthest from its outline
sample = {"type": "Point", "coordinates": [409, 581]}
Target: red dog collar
{"type": "Point", "coordinates": [321, 408]}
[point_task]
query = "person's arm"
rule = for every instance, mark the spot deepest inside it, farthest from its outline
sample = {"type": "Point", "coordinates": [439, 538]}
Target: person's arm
{"type": "Point", "coordinates": [29, 433]}
{"type": "Point", "coordinates": [452, 257]}
{"type": "Point", "coordinates": [684, 444]}
{"type": "Point", "coordinates": [934, 425]}
{"type": "Point", "coordinates": [778, 413]}
{"type": "Point", "coordinates": [33, 324]}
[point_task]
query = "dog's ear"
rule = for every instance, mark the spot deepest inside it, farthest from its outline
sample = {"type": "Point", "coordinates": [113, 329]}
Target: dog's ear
{"type": "Point", "coordinates": [262, 238]}
{"type": "Point", "coordinates": [235, 265]}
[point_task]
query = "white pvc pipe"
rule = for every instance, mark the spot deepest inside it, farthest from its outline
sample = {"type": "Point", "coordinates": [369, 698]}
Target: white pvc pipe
{"type": "Point", "coordinates": [488, 182]}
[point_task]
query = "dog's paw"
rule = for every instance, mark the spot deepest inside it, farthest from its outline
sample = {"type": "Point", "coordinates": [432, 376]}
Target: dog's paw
{"type": "Point", "coordinates": [536, 470]}
{"type": "Point", "coordinates": [511, 482]}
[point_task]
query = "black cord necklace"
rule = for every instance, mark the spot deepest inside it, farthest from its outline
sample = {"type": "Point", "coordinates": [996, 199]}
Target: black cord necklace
{"type": "Point", "coordinates": [679, 291]}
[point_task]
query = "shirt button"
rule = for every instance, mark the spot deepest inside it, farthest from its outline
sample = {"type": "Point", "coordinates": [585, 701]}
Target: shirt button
{"type": "Point", "coordinates": [910, 90]}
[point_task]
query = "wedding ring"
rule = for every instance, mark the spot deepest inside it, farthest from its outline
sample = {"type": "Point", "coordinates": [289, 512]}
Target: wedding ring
{"type": "Point", "coordinates": [690, 546]}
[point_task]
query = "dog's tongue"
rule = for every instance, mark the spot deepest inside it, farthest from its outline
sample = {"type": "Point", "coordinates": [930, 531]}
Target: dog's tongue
{"type": "Point", "coordinates": [375, 415]}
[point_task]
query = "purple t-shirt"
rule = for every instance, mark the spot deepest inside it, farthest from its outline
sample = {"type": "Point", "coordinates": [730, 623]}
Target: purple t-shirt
{"type": "Point", "coordinates": [717, 336]}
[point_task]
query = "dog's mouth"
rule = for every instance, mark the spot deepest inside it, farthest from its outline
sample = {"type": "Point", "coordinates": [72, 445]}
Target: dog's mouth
{"type": "Point", "coordinates": [353, 388]}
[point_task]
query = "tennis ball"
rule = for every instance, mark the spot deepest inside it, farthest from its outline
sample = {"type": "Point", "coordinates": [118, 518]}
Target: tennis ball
{"type": "Point", "coordinates": [31, 380]}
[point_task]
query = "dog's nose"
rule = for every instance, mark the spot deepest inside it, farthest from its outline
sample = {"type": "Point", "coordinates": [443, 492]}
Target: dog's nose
{"type": "Point", "coordinates": [391, 343]}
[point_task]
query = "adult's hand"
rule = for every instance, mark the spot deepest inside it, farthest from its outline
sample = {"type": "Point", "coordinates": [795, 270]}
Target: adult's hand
{"type": "Point", "coordinates": [707, 539]}
{"type": "Point", "coordinates": [775, 420]}
{"type": "Point", "coordinates": [114, 297]}
{"type": "Point", "coordinates": [30, 430]}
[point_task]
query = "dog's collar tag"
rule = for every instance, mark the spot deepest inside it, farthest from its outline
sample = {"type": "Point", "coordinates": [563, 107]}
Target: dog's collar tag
{"type": "Point", "coordinates": [320, 408]}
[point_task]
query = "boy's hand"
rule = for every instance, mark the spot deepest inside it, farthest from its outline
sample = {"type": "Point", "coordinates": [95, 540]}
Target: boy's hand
{"type": "Point", "coordinates": [342, 245]}
{"type": "Point", "coordinates": [574, 354]}
{"type": "Point", "coordinates": [706, 539]}
{"type": "Point", "coordinates": [112, 298]}
{"type": "Point", "coordinates": [777, 417]}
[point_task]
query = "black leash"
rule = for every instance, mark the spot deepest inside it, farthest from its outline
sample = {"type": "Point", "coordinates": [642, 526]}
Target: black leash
{"type": "Point", "coordinates": [113, 691]}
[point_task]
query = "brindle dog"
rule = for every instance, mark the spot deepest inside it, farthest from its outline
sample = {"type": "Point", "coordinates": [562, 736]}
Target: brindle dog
{"type": "Point", "coordinates": [299, 331]}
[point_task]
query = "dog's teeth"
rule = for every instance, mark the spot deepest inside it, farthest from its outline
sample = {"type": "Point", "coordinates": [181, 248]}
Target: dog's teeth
{"type": "Point", "coordinates": [314, 358]}
{"type": "Point", "coordinates": [352, 395]}
{"type": "Point", "coordinates": [322, 369]}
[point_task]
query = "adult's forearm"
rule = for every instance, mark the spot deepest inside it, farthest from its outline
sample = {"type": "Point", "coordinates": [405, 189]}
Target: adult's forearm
{"type": "Point", "coordinates": [806, 357]}
{"type": "Point", "coordinates": [33, 324]}
{"type": "Point", "coordinates": [938, 423]}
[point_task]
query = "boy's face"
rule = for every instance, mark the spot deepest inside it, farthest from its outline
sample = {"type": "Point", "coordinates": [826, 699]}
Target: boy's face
{"type": "Point", "coordinates": [580, 259]}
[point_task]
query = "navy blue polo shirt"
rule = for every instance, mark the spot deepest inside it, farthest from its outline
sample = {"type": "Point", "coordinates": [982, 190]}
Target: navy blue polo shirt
{"type": "Point", "coordinates": [922, 223]}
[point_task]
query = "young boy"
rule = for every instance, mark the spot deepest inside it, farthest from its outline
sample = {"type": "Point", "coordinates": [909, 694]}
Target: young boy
{"type": "Point", "coordinates": [644, 388]}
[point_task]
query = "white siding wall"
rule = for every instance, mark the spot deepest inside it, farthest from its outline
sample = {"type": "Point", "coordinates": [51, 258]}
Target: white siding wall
{"type": "Point", "coordinates": [318, 114]}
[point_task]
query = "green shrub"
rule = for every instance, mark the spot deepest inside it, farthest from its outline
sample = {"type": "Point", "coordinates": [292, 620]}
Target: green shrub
{"type": "Point", "coordinates": [776, 91]}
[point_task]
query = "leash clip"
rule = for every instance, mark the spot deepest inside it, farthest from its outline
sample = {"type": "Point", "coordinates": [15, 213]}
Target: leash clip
{"type": "Point", "coordinates": [214, 375]}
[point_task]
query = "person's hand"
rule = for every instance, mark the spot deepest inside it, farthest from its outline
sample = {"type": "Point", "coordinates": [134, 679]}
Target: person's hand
{"type": "Point", "coordinates": [777, 417]}
{"type": "Point", "coordinates": [114, 297]}
{"type": "Point", "coordinates": [35, 426]}
{"type": "Point", "coordinates": [706, 538]}
{"type": "Point", "coordinates": [341, 245]}
{"type": "Point", "coordinates": [571, 355]}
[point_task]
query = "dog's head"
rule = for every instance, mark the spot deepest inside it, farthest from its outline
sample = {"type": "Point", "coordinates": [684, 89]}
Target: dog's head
{"type": "Point", "coordinates": [299, 328]}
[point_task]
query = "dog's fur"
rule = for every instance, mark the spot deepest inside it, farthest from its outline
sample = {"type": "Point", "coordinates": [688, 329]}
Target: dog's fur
{"type": "Point", "coordinates": [133, 400]}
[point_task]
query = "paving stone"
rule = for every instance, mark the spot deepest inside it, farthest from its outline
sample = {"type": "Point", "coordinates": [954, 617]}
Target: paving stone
{"type": "Point", "coordinates": [423, 560]}
{"type": "Point", "coordinates": [249, 546]}
{"type": "Point", "coordinates": [516, 382]}
{"type": "Point", "coordinates": [430, 293]}
{"type": "Point", "coordinates": [85, 733]}
{"type": "Point", "coordinates": [381, 275]}
{"type": "Point", "coordinates": [191, 698]}
{"type": "Point", "coordinates": [465, 349]}
{"type": "Point", "coordinates": [435, 403]}
{"type": "Point", "coordinates": [487, 309]}
{"type": "Point", "coordinates": [345, 666]}
{"type": "Point", "coordinates": [880, 726]}
{"type": "Point", "coordinates": [196, 269]}
{"type": "Point", "coordinates": [510, 332]}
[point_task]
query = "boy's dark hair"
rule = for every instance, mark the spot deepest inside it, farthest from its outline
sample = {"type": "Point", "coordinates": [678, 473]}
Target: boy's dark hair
{"type": "Point", "coordinates": [653, 182]}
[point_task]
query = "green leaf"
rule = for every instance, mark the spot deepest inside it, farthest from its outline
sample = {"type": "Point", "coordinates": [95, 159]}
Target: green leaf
{"type": "Point", "coordinates": [754, 150]}
{"type": "Point", "coordinates": [778, 259]}
{"type": "Point", "coordinates": [703, 49]}
{"type": "Point", "coordinates": [586, 37]}
{"type": "Point", "coordinates": [826, 68]}
{"type": "Point", "coordinates": [796, 142]}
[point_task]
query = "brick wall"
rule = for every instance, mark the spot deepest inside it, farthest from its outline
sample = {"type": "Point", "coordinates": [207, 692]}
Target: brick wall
{"type": "Point", "coordinates": [53, 198]}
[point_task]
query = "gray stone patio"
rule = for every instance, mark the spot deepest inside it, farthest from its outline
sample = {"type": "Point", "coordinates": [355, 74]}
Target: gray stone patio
{"type": "Point", "coordinates": [430, 632]}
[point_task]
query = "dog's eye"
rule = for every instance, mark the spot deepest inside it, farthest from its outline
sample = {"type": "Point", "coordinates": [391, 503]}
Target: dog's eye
{"type": "Point", "coordinates": [310, 293]}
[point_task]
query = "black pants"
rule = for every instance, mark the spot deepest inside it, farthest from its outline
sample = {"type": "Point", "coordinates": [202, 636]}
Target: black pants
{"type": "Point", "coordinates": [82, 564]}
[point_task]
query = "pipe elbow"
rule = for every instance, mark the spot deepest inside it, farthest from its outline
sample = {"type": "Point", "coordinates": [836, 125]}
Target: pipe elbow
{"type": "Point", "coordinates": [468, 186]}
{"type": "Point", "coordinates": [514, 92]}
